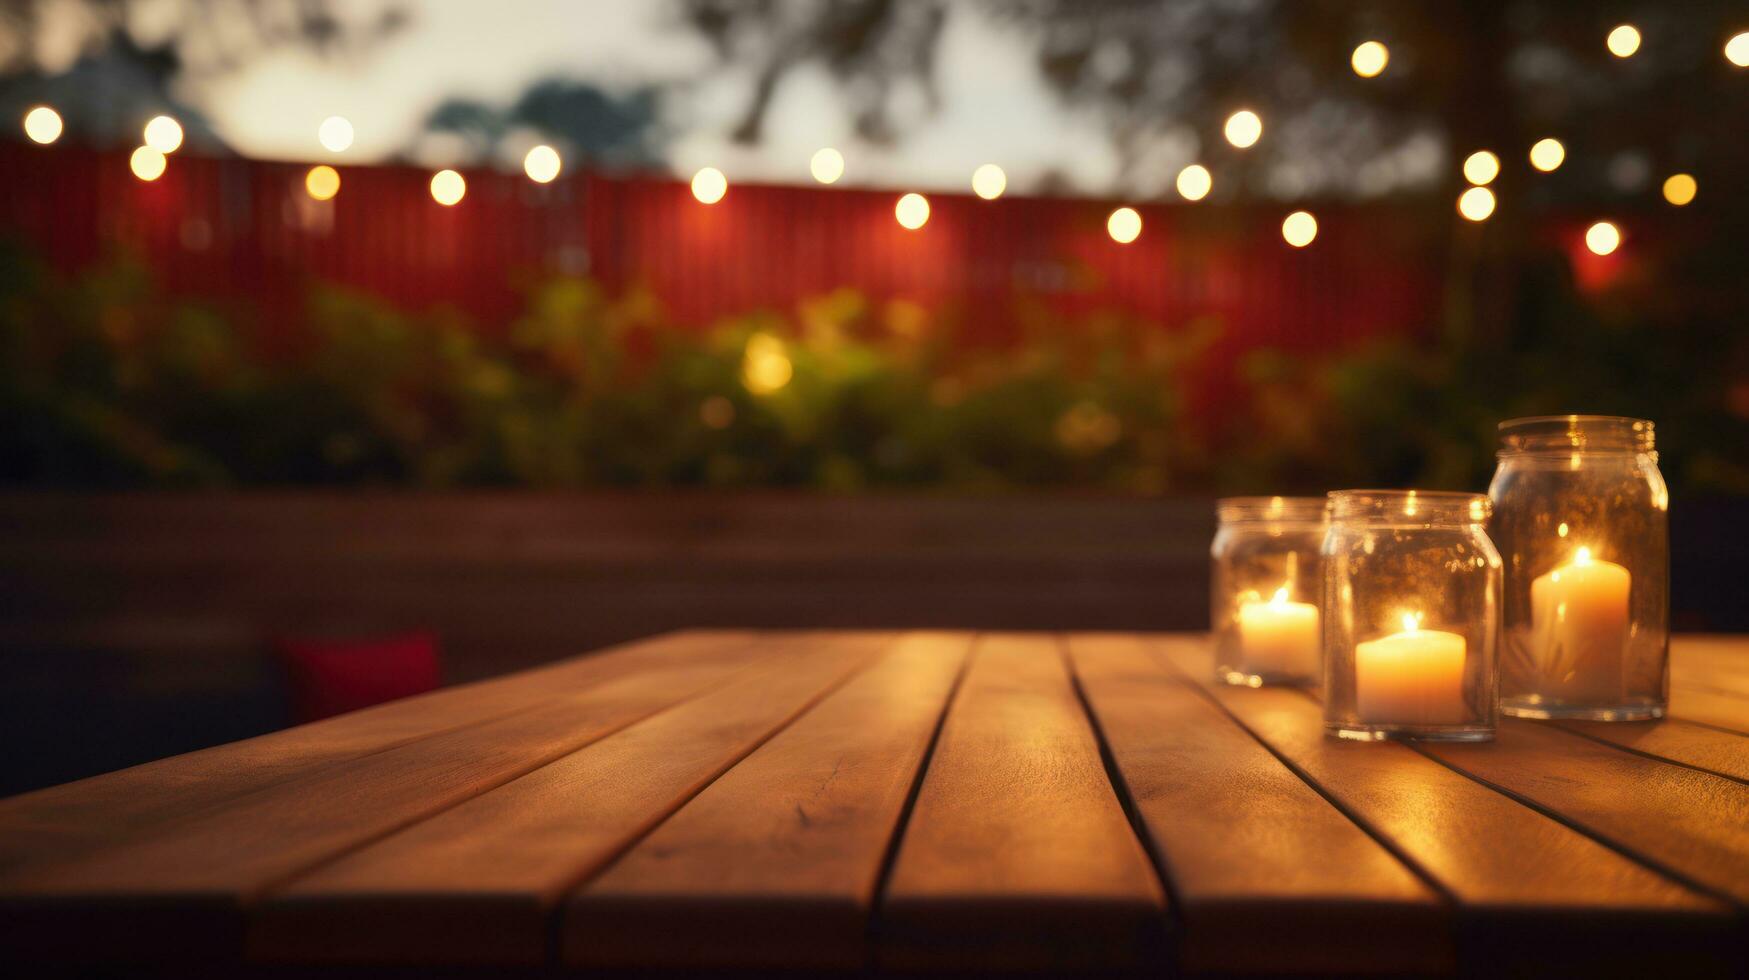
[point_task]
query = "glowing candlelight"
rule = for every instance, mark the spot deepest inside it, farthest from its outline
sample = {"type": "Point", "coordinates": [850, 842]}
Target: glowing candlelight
{"type": "Point", "coordinates": [1279, 637]}
{"type": "Point", "coordinates": [1415, 677]}
{"type": "Point", "coordinates": [1579, 628]}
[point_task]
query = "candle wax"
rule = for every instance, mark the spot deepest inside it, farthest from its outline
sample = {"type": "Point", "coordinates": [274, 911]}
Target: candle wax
{"type": "Point", "coordinates": [1415, 677]}
{"type": "Point", "coordinates": [1279, 637]}
{"type": "Point", "coordinates": [1579, 629]}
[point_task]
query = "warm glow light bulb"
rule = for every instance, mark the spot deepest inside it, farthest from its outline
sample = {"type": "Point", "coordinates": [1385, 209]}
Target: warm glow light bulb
{"type": "Point", "coordinates": [988, 182]}
{"type": "Point", "coordinates": [1623, 41]}
{"type": "Point", "coordinates": [827, 165]}
{"type": "Point", "coordinates": [765, 367]}
{"type": "Point", "coordinates": [1481, 167]}
{"type": "Point", "coordinates": [448, 188]}
{"type": "Point", "coordinates": [1737, 50]}
{"type": "Point", "coordinates": [1244, 128]}
{"type": "Point", "coordinates": [1299, 228]}
{"type": "Point", "coordinates": [1602, 238]}
{"type": "Point", "coordinates": [912, 211]}
{"type": "Point", "coordinates": [163, 134]}
{"type": "Point", "coordinates": [335, 134]}
{"type": "Point", "coordinates": [1195, 182]}
{"type": "Point", "coordinates": [1370, 58]}
{"type": "Point", "coordinates": [1124, 225]}
{"type": "Point", "coordinates": [322, 182]}
{"type": "Point", "coordinates": [147, 163]}
{"type": "Point", "coordinates": [1679, 189]}
{"type": "Point", "coordinates": [1547, 154]}
{"type": "Point", "coordinates": [542, 164]}
{"type": "Point", "coordinates": [1476, 204]}
{"type": "Point", "coordinates": [42, 125]}
{"type": "Point", "coordinates": [709, 185]}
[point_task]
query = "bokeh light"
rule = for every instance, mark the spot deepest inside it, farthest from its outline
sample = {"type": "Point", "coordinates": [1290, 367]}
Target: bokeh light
{"type": "Point", "coordinates": [1603, 238]}
{"type": "Point", "coordinates": [709, 185]}
{"type": "Point", "coordinates": [1623, 41]}
{"type": "Point", "coordinates": [1244, 128]}
{"type": "Point", "coordinates": [1547, 154]}
{"type": "Point", "coordinates": [163, 134]}
{"type": "Point", "coordinates": [1679, 189]}
{"type": "Point", "coordinates": [335, 134]}
{"type": "Point", "coordinates": [912, 211]}
{"type": "Point", "coordinates": [1124, 225]}
{"type": "Point", "coordinates": [542, 164]}
{"type": "Point", "coordinates": [322, 182]}
{"type": "Point", "coordinates": [716, 412]}
{"type": "Point", "coordinates": [43, 125]}
{"type": "Point", "coordinates": [1370, 58]}
{"type": "Point", "coordinates": [1299, 228]}
{"type": "Point", "coordinates": [1476, 204]}
{"type": "Point", "coordinates": [1737, 50]}
{"type": "Point", "coordinates": [1195, 182]}
{"type": "Point", "coordinates": [988, 182]}
{"type": "Point", "coordinates": [765, 367]}
{"type": "Point", "coordinates": [826, 165]}
{"type": "Point", "coordinates": [1481, 167]}
{"type": "Point", "coordinates": [147, 163]}
{"type": "Point", "coordinates": [448, 188]}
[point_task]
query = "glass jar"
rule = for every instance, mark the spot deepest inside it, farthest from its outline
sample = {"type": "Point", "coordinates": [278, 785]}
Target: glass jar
{"type": "Point", "coordinates": [1411, 616]}
{"type": "Point", "coordinates": [1581, 519]}
{"type": "Point", "coordinates": [1266, 579]}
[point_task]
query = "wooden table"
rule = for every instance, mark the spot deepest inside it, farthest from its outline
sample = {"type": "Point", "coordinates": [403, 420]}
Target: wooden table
{"type": "Point", "coordinates": [917, 801]}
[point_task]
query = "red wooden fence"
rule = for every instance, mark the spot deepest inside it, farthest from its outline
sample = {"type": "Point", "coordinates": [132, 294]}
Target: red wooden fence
{"type": "Point", "coordinates": [243, 227]}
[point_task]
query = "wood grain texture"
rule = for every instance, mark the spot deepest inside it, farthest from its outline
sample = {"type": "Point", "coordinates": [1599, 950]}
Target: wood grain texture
{"type": "Point", "coordinates": [1691, 823]}
{"type": "Point", "coordinates": [775, 865]}
{"type": "Point", "coordinates": [1533, 894]}
{"type": "Point", "coordinates": [1266, 875]}
{"type": "Point", "coordinates": [178, 890]}
{"type": "Point", "coordinates": [1018, 853]}
{"type": "Point", "coordinates": [56, 824]}
{"type": "Point", "coordinates": [479, 883]}
{"type": "Point", "coordinates": [1712, 749]}
{"type": "Point", "coordinates": [1710, 707]}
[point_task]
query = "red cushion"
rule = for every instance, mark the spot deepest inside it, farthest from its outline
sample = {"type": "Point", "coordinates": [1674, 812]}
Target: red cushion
{"type": "Point", "coordinates": [331, 677]}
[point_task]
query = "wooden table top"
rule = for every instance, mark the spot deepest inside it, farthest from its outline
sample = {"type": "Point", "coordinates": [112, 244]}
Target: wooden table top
{"type": "Point", "coordinates": [932, 800]}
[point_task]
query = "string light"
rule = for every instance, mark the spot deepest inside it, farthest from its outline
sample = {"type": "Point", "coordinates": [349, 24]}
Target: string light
{"type": "Point", "coordinates": [1370, 59]}
{"type": "Point", "coordinates": [1124, 225]}
{"type": "Point", "coordinates": [542, 164]}
{"type": "Point", "coordinates": [448, 188]}
{"type": "Point", "coordinates": [1547, 154]}
{"type": "Point", "coordinates": [163, 134]}
{"type": "Point", "coordinates": [322, 182]}
{"type": "Point", "coordinates": [1481, 167]}
{"type": "Point", "coordinates": [1623, 41]}
{"type": "Point", "coordinates": [147, 163]}
{"type": "Point", "coordinates": [335, 134]}
{"type": "Point", "coordinates": [912, 211]}
{"type": "Point", "coordinates": [43, 125]}
{"type": "Point", "coordinates": [765, 367]}
{"type": "Point", "coordinates": [1679, 189]}
{"type": "Point", "coordinates": [709, 185]}
{"type": "Point", "coordinates": [1244, 128]}
{"type": "Point", "coordinates": [1299, 228]}
{"type": "Point", "coordinates": [1602, 238]}
{"type": "Point", "coordinates": [1195, 182]}
{"type": "Point", "coordinates": [988, 182]}
{"type": "Point", "coordinates": [827, 165]}
{"type": "Point", "coordinates": [1476, 204]}
{"type": "Point", "coordinates": [1737, 50]}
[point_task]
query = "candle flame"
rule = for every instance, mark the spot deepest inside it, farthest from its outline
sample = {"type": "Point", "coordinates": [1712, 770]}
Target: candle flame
{"type": "Point", "coordinates": [1411, 622]}
{"type": "Point", "coordinates": [1280, 597]}
{"type": "Point", "coordinates": [1582, 557]}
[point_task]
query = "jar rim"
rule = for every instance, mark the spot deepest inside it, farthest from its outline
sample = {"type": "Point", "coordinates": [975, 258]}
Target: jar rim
{"type": "Point", "coordinates": [1410, 507]}
{"type": "Point", "coordinates": [1567, 434]}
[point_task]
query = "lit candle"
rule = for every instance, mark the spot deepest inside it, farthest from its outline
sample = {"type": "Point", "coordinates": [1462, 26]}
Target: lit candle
{"type": "Point", "coordinates": [1279, 637]}
{"type": "Point", "coordinates": [1415, 677]}
{"type": "Point", "coordinates": [1579, 628]}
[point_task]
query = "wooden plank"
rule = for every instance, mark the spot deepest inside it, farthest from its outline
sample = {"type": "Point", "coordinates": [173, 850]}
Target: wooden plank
{"type": "Point", "coordinates": [58, 823]}
{"type": "Point", "coordinates": [1712, 749]}
{"type": "Point", "coordinates": [1714, 708]}
{"type": "Point", "coordinates": [1017, 853]}
{"type": "Point", "coordinates": [177, 891]}
{"type": "Point", "coordinates": [1688, 823]}
{"type": "Point", "coordinates": [1248, 845]}
{"type": "Point", "coordinates": [1533, 894]}
{"type": "Point", "coordinates": [775, 865]}
{"type": "Point", "coordinates": [478, 884]}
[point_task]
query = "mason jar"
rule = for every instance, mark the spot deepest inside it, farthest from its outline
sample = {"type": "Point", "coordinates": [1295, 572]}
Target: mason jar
{"type": "Point", "coordinates": [1580, 517]}
{"type": "Point", "coordinates": [1266, 578]}
{"type": "Point", "coordinates": [1411, 616]}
